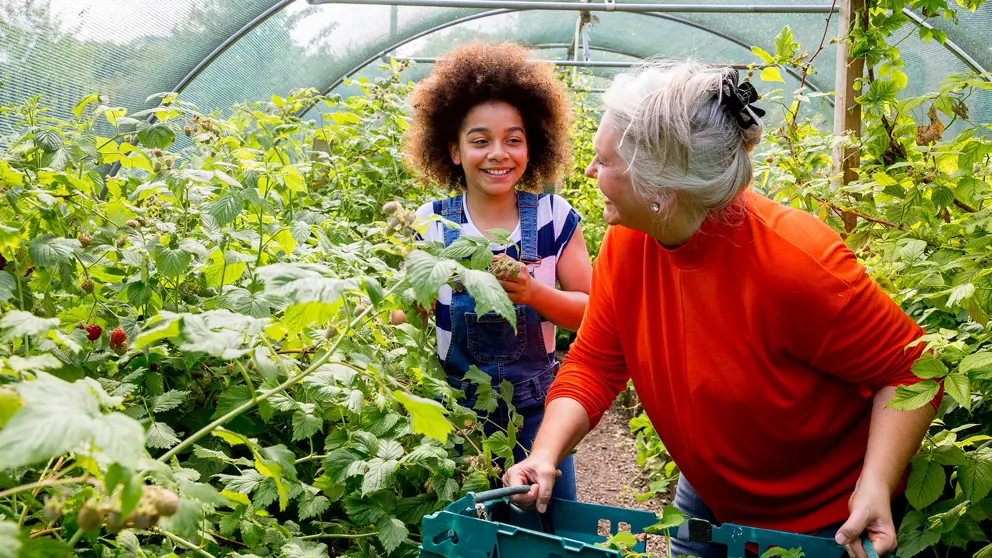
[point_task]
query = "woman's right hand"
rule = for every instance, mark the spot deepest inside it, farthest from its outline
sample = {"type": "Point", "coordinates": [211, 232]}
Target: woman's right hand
{"type": "Point", "coordinates": [538, 471]}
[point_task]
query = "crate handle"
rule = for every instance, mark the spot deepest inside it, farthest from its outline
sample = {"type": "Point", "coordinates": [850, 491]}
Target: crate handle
{"type": "Point", "coordinates": [498, 493]}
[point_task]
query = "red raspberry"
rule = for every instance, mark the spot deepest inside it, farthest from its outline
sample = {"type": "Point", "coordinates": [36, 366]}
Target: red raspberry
{"type": "Point", "coordinates": [118, 337]}
{"type": "Point", "coordinates": [93, 332]}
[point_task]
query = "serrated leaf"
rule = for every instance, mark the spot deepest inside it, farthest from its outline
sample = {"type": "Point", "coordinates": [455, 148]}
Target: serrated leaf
{"type": "Point", "coordinates": [48, 139]}
{"type": "Point", "coordinates": [301, 232]}
{"type": "Point", "coordinates": [156, 136]}
{"type": "Point", "coordinates": [462, 247]}
{"type": "Point", "coordinates": [338, 462]}
{"type": "Point", "coordinates": [301, 283]}
{"type": "Point", "coordinates": [499, 445]}
{"type": "Point", "coordinates": [390, 449]}
{"type": "Point", "coordinates": [971, 362]}
{"type": "Point", "coordinates": [908, 398]}
{"type": "Point", "coordinates": [378, 474]}
{"type": "Point", "coordinates": [427, 274]}
{"type": "Point", "coordinates": [392, 533]}
{"type": "Point", "coordinates": [244, 483]}
{"type": "Point", "coordinates": [771, 73]}
{"type": "Point", "coordinates": [784, 44]}
{"type": "Point", "coordinates": [926, 482]}
{"type": "Point", "coordinates": [960, 293]}
{"type": "Point", "coordinates": [303, 549]}
{"type": "Point", "coordinates": [226, 207]}
{"type": "Point", "coordinates": [36, 362]}
{"type": "Point", "coordinates": [476, 481]}
{"type": "Point", "coordinates": [488, 294]}
{"type": "Point", "coordinates": [312, 505]}
{"type": "Point", "coordinates": [305, 425]}
{"type": "Point", "coordinates": [171, 263]}
{"type": "Point", "coordinates": [48, 250]}
{"type": "Point", "coordinates": [958, 386]}
{"type": "Point", "coordinates": [975, 478]}
{"type": "Point", "coordinates": [161, 329]}
{"type": "Point", "coordinates": [426, 415]}
{"type": "Point", "coordinates": [362, 510]}
{"type": "Point", "coordinates": [161, 436]}
{"type": "Point", "coordinates": [168, 400]}
{"type": "Point", "coordinates": [928, 367]}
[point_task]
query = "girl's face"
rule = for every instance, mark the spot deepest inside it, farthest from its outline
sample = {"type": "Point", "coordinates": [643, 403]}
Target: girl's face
{"type": "Point", "coordinates": [491, 148]}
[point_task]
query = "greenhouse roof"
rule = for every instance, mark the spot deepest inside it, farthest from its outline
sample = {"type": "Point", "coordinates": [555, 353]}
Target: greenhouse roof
{"type": "Point", "coordinates": [219, 52]}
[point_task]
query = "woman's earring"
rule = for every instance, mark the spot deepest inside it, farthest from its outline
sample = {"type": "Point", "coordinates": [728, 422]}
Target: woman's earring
{"type": "Point", "coordinates": [655, 207]}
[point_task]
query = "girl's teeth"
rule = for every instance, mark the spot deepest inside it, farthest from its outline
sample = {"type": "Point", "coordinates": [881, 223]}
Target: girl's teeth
{"type": "Point", "coordinates": [496, 173]}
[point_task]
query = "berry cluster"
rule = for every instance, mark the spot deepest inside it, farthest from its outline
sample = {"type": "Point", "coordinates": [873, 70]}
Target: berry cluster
{"type": "Point", "coordinates": [155, 502]}
{"type": "Point", "coordinates": [399, 219]}
{"type": "Point", "coordinates": [118, 341]}
{"type": "Point", "coordinates": [503, 266]}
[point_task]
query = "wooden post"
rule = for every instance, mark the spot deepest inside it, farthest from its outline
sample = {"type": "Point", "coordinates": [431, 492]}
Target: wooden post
{"type": "Point", "coordinates": [847, 112]}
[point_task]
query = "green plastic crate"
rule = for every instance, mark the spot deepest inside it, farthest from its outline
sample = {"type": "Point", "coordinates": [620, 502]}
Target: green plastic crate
{"type": "Point", "coordinates": [487, 525]}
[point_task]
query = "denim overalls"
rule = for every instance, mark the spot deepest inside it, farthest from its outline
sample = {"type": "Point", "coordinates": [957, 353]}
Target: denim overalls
{"type": "Point", "coordinates": [489, 342]}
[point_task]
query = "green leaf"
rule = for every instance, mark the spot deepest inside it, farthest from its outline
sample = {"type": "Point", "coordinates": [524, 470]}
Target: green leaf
{"type": "Point", "coordinates": [161, 436]}
{"type": "Point", "coordinates": [162, 328]}
{"type": "Point", "coordinates": [49, 250]}
{"type": "Point", "coordinates": [303, 549]}
{"type": "Point", "coordinates": [427, 416]}
{"type": "Point", "coordinates": [36, 362]}
{"type": "Point", "coordinates": [305, 425]}
{"type": "Point", "coordinates": [156, 136]}
{"type": "Point", "coordinates": [10, 402]}
{"type": "Point", "coordinates": [488, 294]}
{"type": "Point", "coordinates": [763, 54]}
{"type": "Point", "coordinates": [958, 386]}
{"type": "Point", "coordinates": [390, 449]}
{"type": "Point", "coordinates": [312, 505]}
{"type": "Point", "coordinates": [771, 73]}
{"type": "Point", "coordinates": [785, 47]}
{"type": "Point", "coordinates": [975, 478]}
{"type": "Point", "coordinates": [427, 274]}
{"type": "Point", "coordinates": [914, 396]}
{"type": "Point", "coordinates": [476, 481]}
{"type": "Point", "coordinates": [364, 510]}
{"type": "Point", "coordinates": [171, 263]}
{"type": "Point", "coordinates": [928, 367]}
{"type": "Point", "coordinates": [10, 543]}
{"type": "Point", "coordinates": [81, 105]}
{"type": "Point", "coordinates": [462, 247]}
{"type": "Point", "coordinates": [17, 323]}
{"type": "Point", "coordinates": [301, 283]}
{"type": "Point", "coordinates": [500, 445]}
{"type": "Point", "coordinates": [58, 416]}
{"type": "Point", "coordinates": [392, 533]}
{"type": "Point", "coordinates": [244, 483]}
{"type": "Point", "coordinates": [227, 207]}
{"type": "Point", "coordinates": [485, 395]}
{"type": "Point", "coordinates": [880, 97]}
{"type": "Point", "coordinates": [669, 517]}
{"type": "Point", "coordinates": [975, 361]}
{"type": "Point", "coordinates": [8, 286]}
{"type": "Point", "coordinates": [338, 462]}
{"type": "Point", "coordinates": [926, 482]}
{"type": "Point", "coordinates": [412, 510]}
{"type": "Point", "coordinates": [961, 292]}
{"type": "Point", "coordinates": [301, 232]}
{"type": "Point", "coordinates": [378, 474]}
{"type": "Point", "coordinates": [202, 492]}
{"type": "Point", "coordinates": [912, 538]}
{"type": "Point", "coordinates": [168, 400]}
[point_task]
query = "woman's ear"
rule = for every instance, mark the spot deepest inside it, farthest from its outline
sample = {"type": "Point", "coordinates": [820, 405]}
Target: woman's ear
{"type": "Point", "coordinates": [456, 156]}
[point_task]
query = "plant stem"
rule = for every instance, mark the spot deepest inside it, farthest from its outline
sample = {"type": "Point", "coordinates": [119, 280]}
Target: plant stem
{"type": "Point", "coordinates": [185, 544]}
{"type": "Point", "coordinates": [338, 536]}
{"type": "Point", "coordinates": [278, 389]}
{"type": "Point", "coordinates": [75, 538]}
{"type": "Point", "coordinates": [42, 484]}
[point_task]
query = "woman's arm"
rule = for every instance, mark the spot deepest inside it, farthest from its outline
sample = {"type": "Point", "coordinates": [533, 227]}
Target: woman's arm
{"type": "Point", "coordinates": [893, 438]}
{"type": "Point", "coordinates": [563, 307]}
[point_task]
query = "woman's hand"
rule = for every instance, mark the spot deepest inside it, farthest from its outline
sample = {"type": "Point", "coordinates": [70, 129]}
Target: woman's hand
{"type": "Point", "coordinates": [539, 472]}
{"type": "Point", "coordinates": [871, 513]}
{"type": "Point", "coordinates": [522, 289]}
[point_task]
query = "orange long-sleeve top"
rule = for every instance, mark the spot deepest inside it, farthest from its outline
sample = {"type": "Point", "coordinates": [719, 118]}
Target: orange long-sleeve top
{"type": "Point", "coordinates": [755, 349]}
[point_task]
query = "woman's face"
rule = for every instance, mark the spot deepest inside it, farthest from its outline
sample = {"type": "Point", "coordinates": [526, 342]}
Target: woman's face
{"type": "Point", "coordinates": [622, 206]}
{"type": "Point", "coordinates": [491, 148]}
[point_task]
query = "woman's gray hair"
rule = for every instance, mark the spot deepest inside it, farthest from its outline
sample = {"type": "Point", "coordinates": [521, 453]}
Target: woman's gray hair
{"type": "Point", "coordinates": [678, 139]}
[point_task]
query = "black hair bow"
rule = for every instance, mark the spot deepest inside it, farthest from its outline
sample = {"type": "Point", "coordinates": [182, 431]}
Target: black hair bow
{"type": "Point", "coordinates": [738, 99]}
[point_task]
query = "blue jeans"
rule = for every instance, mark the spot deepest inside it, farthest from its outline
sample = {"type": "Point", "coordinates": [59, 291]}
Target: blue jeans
{"type": "Point", "coordinates": [689, 503]}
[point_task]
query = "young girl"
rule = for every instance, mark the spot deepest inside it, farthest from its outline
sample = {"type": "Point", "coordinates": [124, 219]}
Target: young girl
{"type": "Point", "coordinates": [493, 127]}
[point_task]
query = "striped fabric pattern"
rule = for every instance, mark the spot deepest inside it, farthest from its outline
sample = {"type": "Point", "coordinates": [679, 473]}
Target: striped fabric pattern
{"type": "Point", "coordinates": [556, 223]}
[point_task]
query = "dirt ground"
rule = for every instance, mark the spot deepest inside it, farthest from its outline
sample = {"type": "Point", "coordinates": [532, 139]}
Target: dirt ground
{"type": "Point", "coordinates": [606, 470]}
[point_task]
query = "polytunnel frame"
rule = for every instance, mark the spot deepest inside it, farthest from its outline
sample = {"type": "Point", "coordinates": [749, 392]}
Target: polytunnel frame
{"type": "Point", "coordinates": [520, 5]}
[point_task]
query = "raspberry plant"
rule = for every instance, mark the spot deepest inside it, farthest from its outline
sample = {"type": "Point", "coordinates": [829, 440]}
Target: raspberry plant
{"type": "Point", "coordinates": [250, 396]}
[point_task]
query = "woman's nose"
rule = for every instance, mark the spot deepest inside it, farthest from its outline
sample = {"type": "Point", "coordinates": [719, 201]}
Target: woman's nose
{"type": "Point", "coordinates": [591, 169]}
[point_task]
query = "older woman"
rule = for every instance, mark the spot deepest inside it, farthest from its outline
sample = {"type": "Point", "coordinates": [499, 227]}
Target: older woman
{"type": "Point", "coordinates": [763, 353]}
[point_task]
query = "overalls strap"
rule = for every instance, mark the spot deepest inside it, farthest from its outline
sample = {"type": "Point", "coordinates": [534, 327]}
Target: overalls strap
{"type": "Point", "coordinates": [527, 203]}
{"type": "Point", "coordinates": [451, 209]}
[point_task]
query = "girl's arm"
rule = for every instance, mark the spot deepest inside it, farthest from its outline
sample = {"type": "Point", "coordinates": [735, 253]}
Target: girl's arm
{"type": "Point", "coordinates": [563, 307]}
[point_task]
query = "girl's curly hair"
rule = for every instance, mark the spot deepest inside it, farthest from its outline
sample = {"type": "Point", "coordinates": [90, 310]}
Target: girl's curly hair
{"type": "Point", "coordinates": [478, 73]}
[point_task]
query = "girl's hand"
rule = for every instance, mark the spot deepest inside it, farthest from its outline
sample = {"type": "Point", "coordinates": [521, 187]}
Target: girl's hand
{"type": "Point", "coordinates": [871, 514]}
{"type": "Point", "coordinates": [523, 288]}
